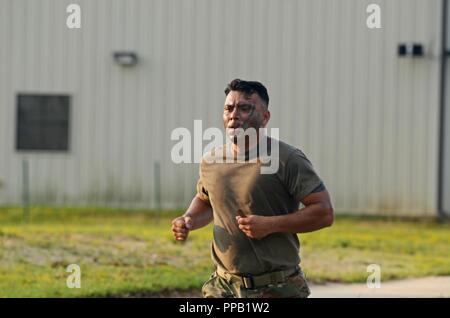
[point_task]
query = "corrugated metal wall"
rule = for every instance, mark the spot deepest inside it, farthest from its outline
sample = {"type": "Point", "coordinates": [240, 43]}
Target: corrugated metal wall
{"type": "Point", "coordinates": [367, 119]}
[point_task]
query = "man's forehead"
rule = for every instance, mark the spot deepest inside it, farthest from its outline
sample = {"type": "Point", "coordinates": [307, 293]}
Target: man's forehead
{"type": "Point", "coordinates": [235, 97]}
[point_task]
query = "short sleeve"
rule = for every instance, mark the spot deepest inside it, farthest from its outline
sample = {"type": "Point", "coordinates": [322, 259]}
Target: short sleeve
{"type": "Point", "coordinates": [201, 191]}
{"type": "Point", "coordinates": [300, 177]}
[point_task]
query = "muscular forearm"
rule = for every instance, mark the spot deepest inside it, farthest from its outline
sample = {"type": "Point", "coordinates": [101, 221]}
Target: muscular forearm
{"type": "Point", "coordinates": [308, 219]}
{"type": "Point", "coordinates": [200, 213]}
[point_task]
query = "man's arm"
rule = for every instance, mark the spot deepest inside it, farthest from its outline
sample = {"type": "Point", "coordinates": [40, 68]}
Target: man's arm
{"type": "Point", "coordinates": [317, 213]}
{"type": "Point", "coordinates": [198, 214]}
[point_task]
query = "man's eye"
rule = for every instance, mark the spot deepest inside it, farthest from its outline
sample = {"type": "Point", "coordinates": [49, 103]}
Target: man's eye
{"type": "Point", "coordinates": [246, 108]}
{"type": "Point", "coordinates": [228, 109]}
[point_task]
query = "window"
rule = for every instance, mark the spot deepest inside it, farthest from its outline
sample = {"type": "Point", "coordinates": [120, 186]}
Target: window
{"type": "Point", "coordinates": [42, 122]}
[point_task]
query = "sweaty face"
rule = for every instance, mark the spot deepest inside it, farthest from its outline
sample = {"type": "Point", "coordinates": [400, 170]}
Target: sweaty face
{"type": "Point", "coordinates": [242, 111]}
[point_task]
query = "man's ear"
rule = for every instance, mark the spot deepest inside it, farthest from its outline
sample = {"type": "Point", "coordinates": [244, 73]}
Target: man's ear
{"type": "Point", "coordinates": [266, 118]}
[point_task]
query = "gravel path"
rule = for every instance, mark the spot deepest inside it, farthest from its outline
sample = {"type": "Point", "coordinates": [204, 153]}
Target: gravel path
{"type": "Point", "coordinates": [418, 287]}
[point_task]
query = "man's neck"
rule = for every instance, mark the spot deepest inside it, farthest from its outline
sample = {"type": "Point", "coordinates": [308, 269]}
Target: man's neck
{"type": "Point", "coordinates": [249, 146]}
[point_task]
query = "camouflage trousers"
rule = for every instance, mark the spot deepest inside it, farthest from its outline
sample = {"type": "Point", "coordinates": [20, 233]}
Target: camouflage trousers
{"type": "Point", "coordinates": [294, 286]}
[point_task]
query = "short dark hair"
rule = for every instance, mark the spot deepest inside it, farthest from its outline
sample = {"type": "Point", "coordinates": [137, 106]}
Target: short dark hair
{"type": "Point", "coordinates": [248, 87]}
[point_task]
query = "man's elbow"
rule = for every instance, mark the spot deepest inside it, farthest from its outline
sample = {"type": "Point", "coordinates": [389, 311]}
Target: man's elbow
{"type": "Point", "coordinates": [329, 216]}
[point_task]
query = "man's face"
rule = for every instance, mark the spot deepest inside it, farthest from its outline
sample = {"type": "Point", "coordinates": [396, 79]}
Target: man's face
{"type": "Point", "coordinates": [244, 111]}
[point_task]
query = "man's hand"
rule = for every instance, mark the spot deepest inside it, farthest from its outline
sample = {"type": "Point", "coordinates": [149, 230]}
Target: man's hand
{"type": "Point", "coordinates": [255, 226]}
{"type": "Point", "coordinates": [181, 227]}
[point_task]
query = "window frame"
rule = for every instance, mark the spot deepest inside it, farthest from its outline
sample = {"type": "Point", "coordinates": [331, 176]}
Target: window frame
{"type": "Point", "coordinates": [65, 122]}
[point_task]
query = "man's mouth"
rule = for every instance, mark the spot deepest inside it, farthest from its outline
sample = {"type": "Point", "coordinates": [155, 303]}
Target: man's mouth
{"type": "Point", "coordinates": [234, 126]}
{"type": "Point", "coordinates": [234, 131]}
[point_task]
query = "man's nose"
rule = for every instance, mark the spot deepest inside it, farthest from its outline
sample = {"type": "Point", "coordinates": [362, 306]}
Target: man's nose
{"type": "Point", "coordinates": [235, 113]}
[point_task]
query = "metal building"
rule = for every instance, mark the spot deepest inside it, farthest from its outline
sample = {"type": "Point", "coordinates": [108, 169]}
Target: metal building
{"type": "Point", "coordinates": [370, 119]}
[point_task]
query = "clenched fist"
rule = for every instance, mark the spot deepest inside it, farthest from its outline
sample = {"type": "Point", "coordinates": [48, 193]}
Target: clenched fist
{"type": "Point", "coordinates": [181, 227]}
{"type": "Point", "coordinates": [255, 226]}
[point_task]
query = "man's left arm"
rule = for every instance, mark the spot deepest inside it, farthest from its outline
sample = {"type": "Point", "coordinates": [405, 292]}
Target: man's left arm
{"type": "Point", "coordinates": [317, 214]}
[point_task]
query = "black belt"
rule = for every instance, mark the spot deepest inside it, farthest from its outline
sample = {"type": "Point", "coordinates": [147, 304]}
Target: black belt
{"type": "Point", "coordinates": [255, 281]}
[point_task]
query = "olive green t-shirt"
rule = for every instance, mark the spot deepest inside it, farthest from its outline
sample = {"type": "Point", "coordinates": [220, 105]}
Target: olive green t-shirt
{"type": "Point", "coordinates": [239, 188]}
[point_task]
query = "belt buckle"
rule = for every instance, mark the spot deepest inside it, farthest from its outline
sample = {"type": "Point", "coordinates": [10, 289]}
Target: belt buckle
{"type": "Point", "coordinates": [246, 279]}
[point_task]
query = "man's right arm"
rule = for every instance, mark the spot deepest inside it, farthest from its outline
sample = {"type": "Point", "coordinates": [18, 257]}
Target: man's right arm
{"type": "Point", "coordinates": [198, 215]}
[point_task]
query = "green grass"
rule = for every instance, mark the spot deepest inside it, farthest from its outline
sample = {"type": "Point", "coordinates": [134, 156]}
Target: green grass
{"type": "Point", "coordinates": [132, 252]}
